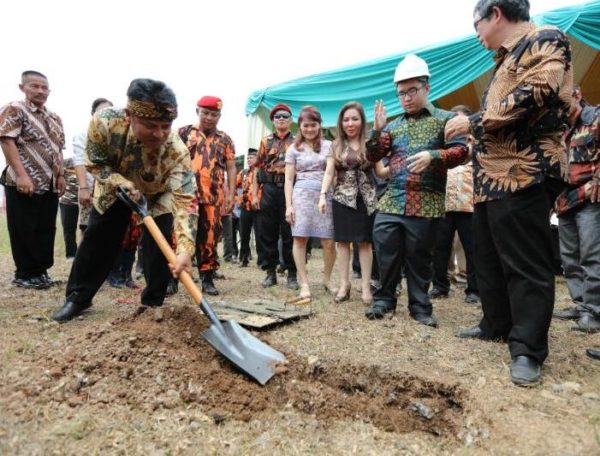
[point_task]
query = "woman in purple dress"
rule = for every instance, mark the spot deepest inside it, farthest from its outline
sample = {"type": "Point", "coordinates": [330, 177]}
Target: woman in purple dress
{"type": "Point", "coordinates": [305, 162]}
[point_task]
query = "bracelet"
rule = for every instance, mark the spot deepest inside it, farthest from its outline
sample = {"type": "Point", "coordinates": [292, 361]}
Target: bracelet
{"type": "Point", "coordinates": [84, 188]}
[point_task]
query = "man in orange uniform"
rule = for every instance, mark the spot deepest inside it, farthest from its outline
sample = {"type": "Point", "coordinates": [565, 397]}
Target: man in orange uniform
{"type": "Point", "coordinates": [269, 178]}
{"type": "Point", "coordinates": [213, 156]}
{"type": "Point", "coordinates": [247, 214]}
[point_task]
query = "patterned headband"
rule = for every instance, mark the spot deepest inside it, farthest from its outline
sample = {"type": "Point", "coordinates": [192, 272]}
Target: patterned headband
{"type": "Point", "coordinates": [149, 110]}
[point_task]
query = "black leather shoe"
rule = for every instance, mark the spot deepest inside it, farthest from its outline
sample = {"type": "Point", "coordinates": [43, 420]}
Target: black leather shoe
{"type": "Point", "coordinates": [208, 286]}
{"type": "Point", "coordinates": [378, 311]}
{"type": "Point", "coordinates": [270, 280]}
{"type": "Point", "coordinates": [69, 311]}
{"type": "Point", "coordinates": [436, 293]}
{"type": "Point", "coordinates": [593, 353]}
{"type": "Point", "coordinates": [472, 298]}
{"type": "Point", "coordinates": [292, 282]}
{"type": "Point", "coordinates": [470, 333]}
{"type": "Point", "coordinates": [45, 278]}
{"type": "Point", "coordinates": [35, 283]}
{"type": "Point", "coordinates": [525, 371]}
{"type": "Point", "coordinates": [572, 313]}
{"type": "Point", "coordinates": [427, 320]}
{"type": "Point", "coordinates": [588, 323]}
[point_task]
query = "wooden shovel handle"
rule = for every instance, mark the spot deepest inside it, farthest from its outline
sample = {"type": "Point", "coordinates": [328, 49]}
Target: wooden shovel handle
{"type": "Point", "coordinates": [185, 278]}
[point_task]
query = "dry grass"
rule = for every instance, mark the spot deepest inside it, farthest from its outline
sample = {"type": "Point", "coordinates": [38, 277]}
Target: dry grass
{"type": "Point", "coordinates": [559, 417]}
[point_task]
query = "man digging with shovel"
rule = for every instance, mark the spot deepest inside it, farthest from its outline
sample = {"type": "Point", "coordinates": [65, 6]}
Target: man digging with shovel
{"type": "Point", "coordinates": [134, 148]}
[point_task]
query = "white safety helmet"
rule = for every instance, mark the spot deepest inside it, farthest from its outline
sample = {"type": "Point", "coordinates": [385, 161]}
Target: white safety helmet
{"type": "Point", "coordinates": [411, 67]}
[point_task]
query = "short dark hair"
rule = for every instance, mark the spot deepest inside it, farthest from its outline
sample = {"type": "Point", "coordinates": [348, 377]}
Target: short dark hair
{"type": "Point", "coordinates": [26, 74]}
{"type": "Point", "coordinates": [97, 102]}
{"type": "Point", "coordinates": [463, 109]}
{"type": "Point", "coordinates": [151, 90]}
{"type": "Point", "coordinates": [513, 10]}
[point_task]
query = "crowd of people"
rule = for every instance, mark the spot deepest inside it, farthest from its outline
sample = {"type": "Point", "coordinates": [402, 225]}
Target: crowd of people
{"type": "Point", "coordinates": [394, 195]}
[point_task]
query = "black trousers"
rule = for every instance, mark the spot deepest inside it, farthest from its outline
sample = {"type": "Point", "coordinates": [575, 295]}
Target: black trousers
{"type": "Point", "coordinates": [514, 270]}
{"type": "Point", "coordinates": [31, 222]}
{"type": "Point", "coordinates": [230, 249]}
{"type": "Point", "coordinates": [272, 225]}
{"type": "Point", "coordinates": [450, 224]}
{"type": "Point", "coordinates": [247, 222]}
{"type": "Point", "coordinates": [404, 241]}
{"type": "Point", "coordinates": [100, 247]}
{"type": "Point", "coordinates": [69, 214]}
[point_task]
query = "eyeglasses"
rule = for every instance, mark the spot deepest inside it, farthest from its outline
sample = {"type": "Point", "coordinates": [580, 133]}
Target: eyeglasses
{"type": "Point", "coordinates": [281, 116]}
{"type": "Point", "coordinates": [476, 23]}
{"type": "Point", "coordinates": [410, 92]}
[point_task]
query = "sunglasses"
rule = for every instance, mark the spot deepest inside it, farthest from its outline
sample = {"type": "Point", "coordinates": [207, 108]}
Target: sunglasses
{"type": "Point", "coordinates": [281, 116]}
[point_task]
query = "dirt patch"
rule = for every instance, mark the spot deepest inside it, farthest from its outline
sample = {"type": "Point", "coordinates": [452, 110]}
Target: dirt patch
{"type": "Point", "coordinates": [158, 359]}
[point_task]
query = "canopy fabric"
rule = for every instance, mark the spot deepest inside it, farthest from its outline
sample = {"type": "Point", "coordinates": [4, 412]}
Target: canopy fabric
{"type": "Point", "coordinates": [459, 72]}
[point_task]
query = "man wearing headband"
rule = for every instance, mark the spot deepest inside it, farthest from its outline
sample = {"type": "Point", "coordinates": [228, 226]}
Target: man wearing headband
{"type": "Point", "coordinates": [213, 156]}
{"type": "Point", "coordinates": [135, 148]}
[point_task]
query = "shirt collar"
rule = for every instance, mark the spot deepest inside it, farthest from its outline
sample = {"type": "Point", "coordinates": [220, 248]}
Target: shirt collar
{"type": "Point", "coordinates": [284, 136]}
{"type": "Point", "coordinates": [215, 132]}
{"type": "Point", "coordinates": [429, 108]}
{"type": "Point", "coordinates": [511, 42]}
{"type": "Point", "coordinates": [34, 108]}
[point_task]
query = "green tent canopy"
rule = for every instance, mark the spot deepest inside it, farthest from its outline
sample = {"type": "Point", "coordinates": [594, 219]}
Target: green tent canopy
{"type": "Point", "coordinates": [460, 70]}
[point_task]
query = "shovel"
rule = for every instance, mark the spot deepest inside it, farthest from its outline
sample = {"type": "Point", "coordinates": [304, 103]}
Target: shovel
{"type": "Point", "coordinates": [252, 356]}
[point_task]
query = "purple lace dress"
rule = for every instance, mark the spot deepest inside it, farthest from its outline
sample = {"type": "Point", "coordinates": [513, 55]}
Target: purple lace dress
{"type": "Point", "coordinates": [310, 169]}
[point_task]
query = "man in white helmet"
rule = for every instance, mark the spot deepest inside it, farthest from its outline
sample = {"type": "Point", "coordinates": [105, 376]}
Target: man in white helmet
{"type": "Point", "coordinates": [409, 211]}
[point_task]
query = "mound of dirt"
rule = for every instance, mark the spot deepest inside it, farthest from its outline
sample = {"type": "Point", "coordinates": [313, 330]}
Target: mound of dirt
{"type": "Point", "coordinates": [158, 359]}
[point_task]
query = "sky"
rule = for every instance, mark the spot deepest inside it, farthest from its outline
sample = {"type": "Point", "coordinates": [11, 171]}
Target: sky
{"type": "Point", "coordinates": [223, 48]}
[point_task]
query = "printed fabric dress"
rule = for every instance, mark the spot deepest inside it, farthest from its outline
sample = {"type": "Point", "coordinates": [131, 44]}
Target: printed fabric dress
{"type": "Point", "coordinates": [310, 170]}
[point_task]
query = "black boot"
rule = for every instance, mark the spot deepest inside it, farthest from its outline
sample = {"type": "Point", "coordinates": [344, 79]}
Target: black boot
{"type": "Point", "coordinates": [270, 280]}
{"type": "Point", "coordinates": [208, 286]}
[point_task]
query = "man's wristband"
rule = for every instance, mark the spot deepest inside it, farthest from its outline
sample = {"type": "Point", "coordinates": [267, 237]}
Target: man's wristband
{"type": "Point", "coordinates": [84, 188]}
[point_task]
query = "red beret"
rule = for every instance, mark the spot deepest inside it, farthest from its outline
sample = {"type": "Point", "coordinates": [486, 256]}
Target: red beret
{"type": "Point", "coordinates": [210, 102]}
{"type": "Point", "coordinates": [279, 107]}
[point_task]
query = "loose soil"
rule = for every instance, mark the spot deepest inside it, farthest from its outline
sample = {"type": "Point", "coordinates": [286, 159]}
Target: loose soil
{"type": "Point", "coordinates": [124, 380]}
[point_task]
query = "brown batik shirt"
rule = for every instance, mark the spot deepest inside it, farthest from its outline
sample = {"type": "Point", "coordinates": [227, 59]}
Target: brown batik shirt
{"type": "Point", "coordinates": [518, 133]}
{"type": "Point", "coordinates": [40, 140]}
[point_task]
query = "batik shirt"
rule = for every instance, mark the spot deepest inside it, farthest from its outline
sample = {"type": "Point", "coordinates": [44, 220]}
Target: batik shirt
{"type": "Point", "coordinates": [354, 178]}
{"type": "Point", "coordinates": [416, 194]}
{"type": "Point", "coordinates": [459, 189]}
{"type": "Point", "coordinates": [40, 139]}
{"type": "Point", "coordinates": [271, 153]}
{"type": "Point", "coordinates": [583, 155]}
{"type": "Point", "coordinates": [114, 156]}
{"type": "Point", "coordinates": [518, 134]}
{"type": "Point", "coordinates": [70, 197]}
{"type": "Point", "coordinates": [209, 155]}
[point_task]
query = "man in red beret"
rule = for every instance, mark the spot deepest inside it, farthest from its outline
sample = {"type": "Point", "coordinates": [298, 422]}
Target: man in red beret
{"type": "Point", "coordinates": [270, 177]}
{"type": "Point", "coordinates": [213, 157]}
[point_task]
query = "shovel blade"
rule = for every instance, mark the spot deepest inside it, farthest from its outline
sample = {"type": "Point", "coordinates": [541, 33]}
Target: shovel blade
{"type": "Point", "coordinates": [244, 350]}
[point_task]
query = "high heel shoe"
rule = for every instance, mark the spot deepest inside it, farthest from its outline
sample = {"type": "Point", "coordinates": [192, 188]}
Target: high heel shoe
{"type": "Point", "coordinates": [345, 296]}
{"type": "Point", "coordinates": [329, 289]}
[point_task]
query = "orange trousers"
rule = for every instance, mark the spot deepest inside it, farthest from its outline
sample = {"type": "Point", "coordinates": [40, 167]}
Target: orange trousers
{"type": "Point", "coordinates": [210, 232]}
